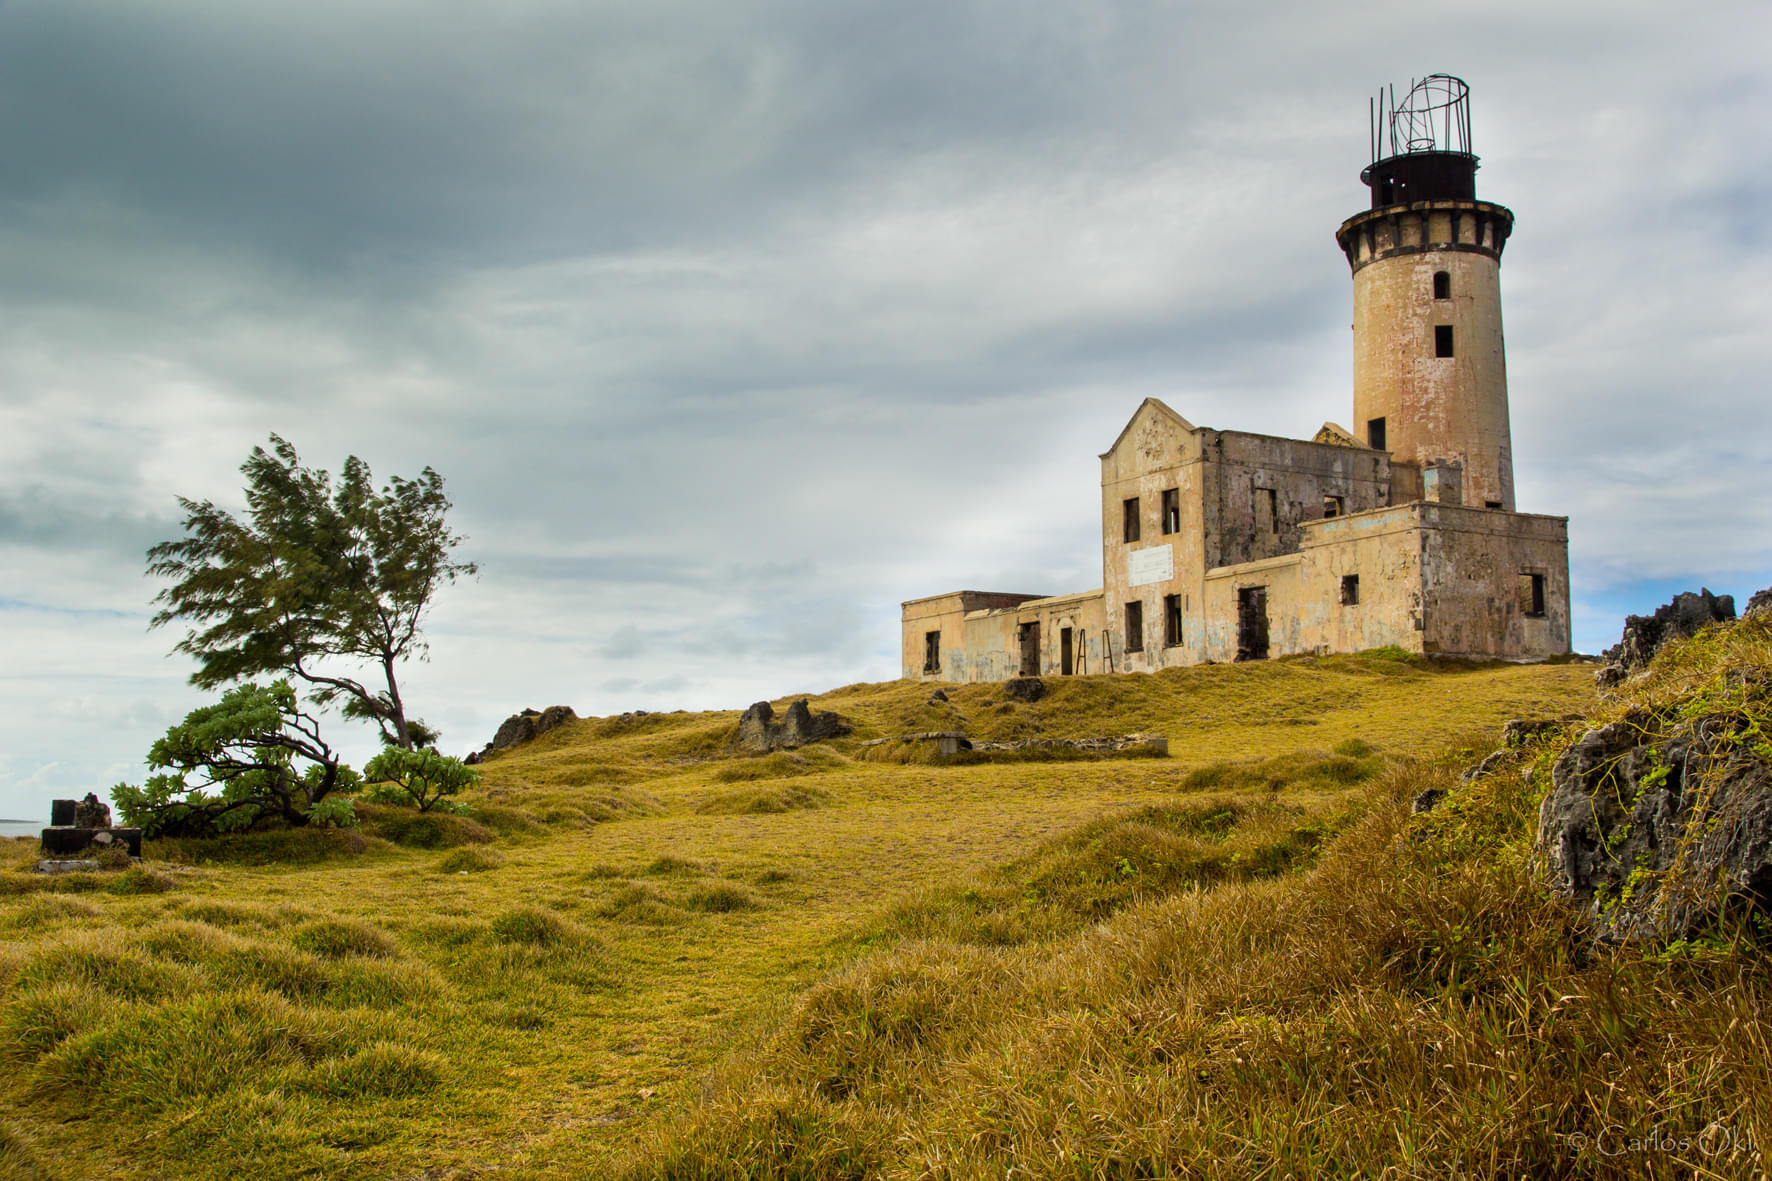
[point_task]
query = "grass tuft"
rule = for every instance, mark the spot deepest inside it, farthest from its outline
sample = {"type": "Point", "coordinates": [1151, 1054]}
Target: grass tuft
{"type": "Point", "coordinates": [722, 898]}
{"type": "Point", "coordinates": [470, 860]}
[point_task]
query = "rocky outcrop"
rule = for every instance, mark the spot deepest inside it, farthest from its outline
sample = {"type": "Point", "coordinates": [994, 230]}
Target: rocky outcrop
{"type": "Point", "coordinates": [1644, 635]}
{"type": "Point", "coordinates": [1029, 689]}
{"type": "Point", "coordinates": [760, 733]}
{"type": "Point", "coordinates": [1656, 829]}
{"type": "Point", "coordinates": [528, 725]}
{"type": "Point", "coordinates": [1759, 604]}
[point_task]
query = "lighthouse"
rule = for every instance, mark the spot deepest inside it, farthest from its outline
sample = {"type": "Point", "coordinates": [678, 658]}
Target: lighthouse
{"type": "Point", "coordinates": [1430, 370]}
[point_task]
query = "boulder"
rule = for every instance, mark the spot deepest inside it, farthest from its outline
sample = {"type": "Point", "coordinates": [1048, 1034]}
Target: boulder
{"type": "Point", "coordinates": [938, 695]}
{"type": "Point", "coordinates": [760, 733]}
{"type": "Point", "coordinates": [1029, 689]}
{"type": "Point", "coordinates": [1656, 831]}
{"type": "Point", "coordinates": [528, 725]}
{"type": "Point", "coordinates": [1644, 635]}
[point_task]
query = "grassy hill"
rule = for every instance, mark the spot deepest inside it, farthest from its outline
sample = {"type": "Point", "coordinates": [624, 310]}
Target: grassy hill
{"type": "Point", "coordinates": [645, 955]}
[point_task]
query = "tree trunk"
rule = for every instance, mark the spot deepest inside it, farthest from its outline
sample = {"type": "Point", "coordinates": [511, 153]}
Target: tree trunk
{"type": "Point", "coordinates": [403, 739]}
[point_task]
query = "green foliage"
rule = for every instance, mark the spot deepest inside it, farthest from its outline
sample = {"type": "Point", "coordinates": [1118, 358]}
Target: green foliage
{"type": "Point", "coordinates": [253, 755]}
{"type": "Point", "coordinates": [315, 576]}
{"type": "Point", "coordinates": [419, 779]}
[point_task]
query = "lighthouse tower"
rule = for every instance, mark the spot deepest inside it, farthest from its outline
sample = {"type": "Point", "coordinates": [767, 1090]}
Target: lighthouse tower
{"type": "Point", "coordinates": [1430, 375]}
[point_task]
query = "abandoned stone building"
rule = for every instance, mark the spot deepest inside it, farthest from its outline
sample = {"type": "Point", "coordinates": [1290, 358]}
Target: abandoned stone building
{"type": "Point", "coordinates": [1227, 545]}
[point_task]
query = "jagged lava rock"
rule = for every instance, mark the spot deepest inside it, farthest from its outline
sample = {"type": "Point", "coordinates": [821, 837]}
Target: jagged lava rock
{"type": "Point", "coordinates": [1653, 831]}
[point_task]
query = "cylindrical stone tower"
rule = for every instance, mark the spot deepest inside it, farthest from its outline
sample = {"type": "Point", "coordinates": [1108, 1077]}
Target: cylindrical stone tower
{"type": "Point", "coordinates": [1430, 375]}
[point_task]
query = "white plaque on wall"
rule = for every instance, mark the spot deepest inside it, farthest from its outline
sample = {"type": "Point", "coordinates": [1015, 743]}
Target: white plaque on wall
{"type": "Point", "coordinates": [1145, 566]}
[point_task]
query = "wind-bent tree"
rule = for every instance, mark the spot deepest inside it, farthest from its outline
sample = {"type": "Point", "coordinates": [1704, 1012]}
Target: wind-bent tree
{"type": "Point", "coordinates": [314, 577]}
{"type": "Point", "coordinates": [253, 754]}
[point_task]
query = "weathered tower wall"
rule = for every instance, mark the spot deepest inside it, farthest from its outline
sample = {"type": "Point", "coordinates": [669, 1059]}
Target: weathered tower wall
{"type": "Point", "coordinates": [1429, 362]}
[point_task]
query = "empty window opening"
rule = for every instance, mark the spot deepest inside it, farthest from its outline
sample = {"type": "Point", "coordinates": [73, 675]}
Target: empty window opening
{"type": "Point", "coordinates": [1532, 595]}
{"type": "Point", "coordinates": [1350, 590]}
{"type": "Point", "coordinates": [1171, 620]}
{"type": "Point", "coordinates": [931, 652]}
{"type": "Point", "coordinates": [1332, 507]}
{"type": "Point", "coordinates": [1129, 518]}
{"type": "Point", "coordinates": [1252, 623]}
{"type": "Point", "coordinates": [1267, 511]}
{"type": "Point", "coordinates": [1491, 504]}
{"type": "Point", "coordinates": [1442, 340]}
{"type": "Point", "coordinates": [1066, 652]}
{"type": "Point", "coordinates": [1029, 635]}
{"type": "Point", "coordinates": [1442, 285]}
{"type": "Point", "coordinates": [1135, 627]}
{"type": "Point", "coordinates": [1375, 434]}
{"type": "Point", "coordinates": [1171, 510]}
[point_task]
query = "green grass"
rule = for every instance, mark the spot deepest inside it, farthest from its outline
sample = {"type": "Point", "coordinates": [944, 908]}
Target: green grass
{"type": "Point", "coordinates": [645, 952]}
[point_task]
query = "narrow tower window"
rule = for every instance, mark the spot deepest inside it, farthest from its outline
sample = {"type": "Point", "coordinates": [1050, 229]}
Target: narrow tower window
{"type": "Point", "coordinates": [931, 652]}
{"type": "Point", "coordinates": [1442, 340]}
{"type": "Point", "coordinates": [1442, 285]}
{"type": "Point", "coordinates": [1171, 510]}
{"type": "Point", "coordinates": [1129, 518]}
{"type": "Point", "coordinates": [1375, 434]}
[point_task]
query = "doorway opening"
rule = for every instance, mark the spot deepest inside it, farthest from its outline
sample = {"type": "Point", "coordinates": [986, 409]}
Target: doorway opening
{"type": "Point", "coordinates": [1029, 635]}
{"type": "Point", "coordinates": [1252, 623]}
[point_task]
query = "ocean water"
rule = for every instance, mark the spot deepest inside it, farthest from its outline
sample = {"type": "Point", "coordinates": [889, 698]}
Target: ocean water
{"type": "Point", "coordinates": [23, 828]}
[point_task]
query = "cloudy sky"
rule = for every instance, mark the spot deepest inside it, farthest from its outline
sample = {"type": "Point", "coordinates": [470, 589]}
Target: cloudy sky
{"type": "Point", "coordinates": [732, 324]}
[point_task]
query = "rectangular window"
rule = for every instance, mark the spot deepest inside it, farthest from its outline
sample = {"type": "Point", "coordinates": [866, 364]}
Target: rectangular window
{"type": "Point", "coordinates": [931, 652]}
{"type": "Point", "coordinates": [1135, 627]}
{"type": "Point", "coordinates": [1129, 518]}
{"type": "Point", "coordinates": [1171, 510]}
{"type": "Point", "coordinates": [1350, 590]}
{"type": "Point", "coordinates": [1532, 595]}
{"type": "Point", "coordinates": [1267, 511]}
{"type": "Point", "coordinates": [1332, 507]}
{"type": "Point", "coordinates": [1375, 434]}
{"type": "Point", "coordinates": [1442, 340]}
{"type": "Point", "coordinates": [1171, 620]}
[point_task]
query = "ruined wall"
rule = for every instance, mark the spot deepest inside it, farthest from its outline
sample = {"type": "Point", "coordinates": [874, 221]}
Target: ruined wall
{"type": "Point", "coordinates": [982, 635]}
{"type": "Point", "coordinates": [1426, 577]}
{"type": "Point", "coordinates": [1476, 567]}
{"type": "Point", "coordinates": [945, 614]}
{"type": "Point", "coordinates": [1262, 490]}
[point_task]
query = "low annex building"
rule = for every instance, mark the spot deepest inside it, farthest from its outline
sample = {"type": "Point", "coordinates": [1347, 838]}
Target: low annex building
{"type": "Point", "coordinates": [1226, 545]}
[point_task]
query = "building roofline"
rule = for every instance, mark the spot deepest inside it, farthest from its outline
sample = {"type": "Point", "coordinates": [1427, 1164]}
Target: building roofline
{"type": "Point", "coordinates": [1160, 405]}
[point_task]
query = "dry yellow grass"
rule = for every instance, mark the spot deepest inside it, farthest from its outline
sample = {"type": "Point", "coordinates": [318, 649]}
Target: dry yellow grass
{"type": "Point", "coordinates": [546, 990]}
